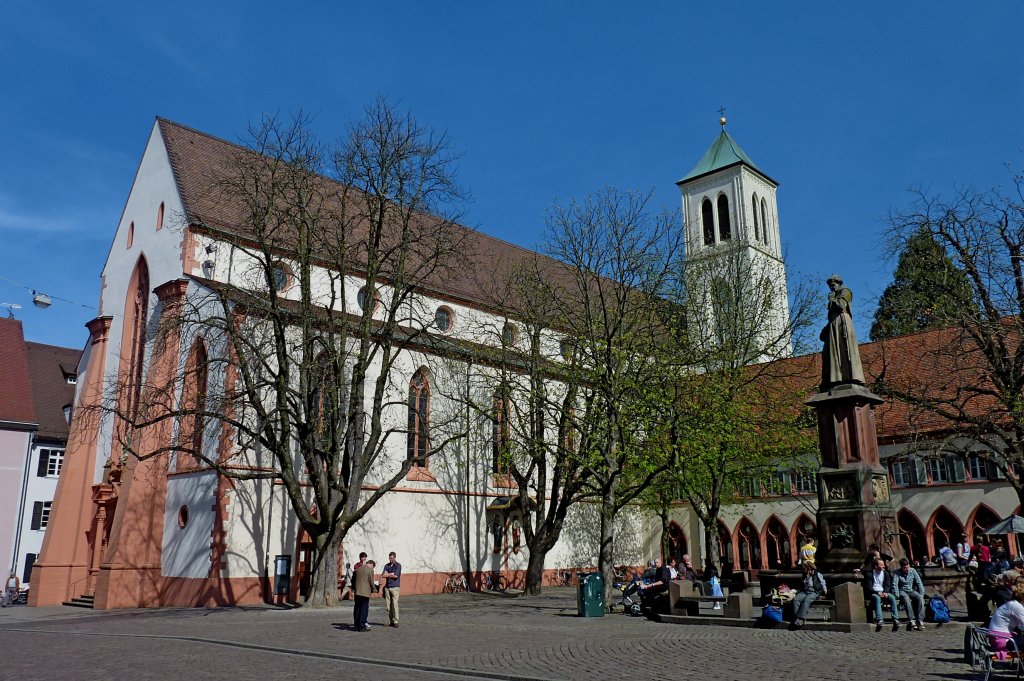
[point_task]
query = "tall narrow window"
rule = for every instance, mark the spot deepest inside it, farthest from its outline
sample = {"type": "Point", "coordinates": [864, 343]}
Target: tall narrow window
{"type": "Point", "coordinates": [138, 315]}
{"type": "Point", "coordinates": [323, 408]}
{"type": "Point", "coordinates": [499, 434]}
{"type": "Point", "coordinates": [160, 217]}
{"type": "Point", "coordinates": [757, 223]}
{"type": "Point", "coordinates": [707, 216]}
{"type": "Point", "coordinates": [419, 419]}
{"type": "Point", "coordinates": [131, 234]}
{"type": "Point", "coordinates": [724, 226]}
{"type": "Point", "coordinates": [764, 221]}
{"type": "Point", "coordinates": [194, 400]}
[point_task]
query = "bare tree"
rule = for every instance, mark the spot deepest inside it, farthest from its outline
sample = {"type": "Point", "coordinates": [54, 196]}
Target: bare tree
{"type": "Point", "coordinates": [962, 385]}
{"type": "Point", "coordinates": [312, 308]}
{"type": "Point", "coordinates": [622, 262]}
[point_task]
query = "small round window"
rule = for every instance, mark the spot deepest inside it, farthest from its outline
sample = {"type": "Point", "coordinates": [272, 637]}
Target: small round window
{"type": "Point", "coordinates": [280, 275]}
{"type": "Point", "coordinates": [509, 334]}
{"type": "Point", "coordinates": [183, 516]}
{"type": "Point", "coordinates": [363, 299]}
{"type": "Point", "coordinates": [443, 319]}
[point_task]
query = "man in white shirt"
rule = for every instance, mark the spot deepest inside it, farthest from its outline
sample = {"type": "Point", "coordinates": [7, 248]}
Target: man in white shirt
{"type": "Point", "coordinates": [878, 585]}
{"type": "Point", "coordinates": [11, 587]}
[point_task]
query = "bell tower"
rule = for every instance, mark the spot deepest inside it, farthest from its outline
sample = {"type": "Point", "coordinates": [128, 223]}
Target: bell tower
{"type": "Point", "coordinates": [734, 253]}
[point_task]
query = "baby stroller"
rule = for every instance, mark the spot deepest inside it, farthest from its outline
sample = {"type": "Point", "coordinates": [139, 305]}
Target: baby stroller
{"type": "Point", "coordinates": [630, 601]}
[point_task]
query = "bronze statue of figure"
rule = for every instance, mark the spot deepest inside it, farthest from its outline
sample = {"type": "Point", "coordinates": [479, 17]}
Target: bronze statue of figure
{"type": "Point", "coordinates": [840, 358]}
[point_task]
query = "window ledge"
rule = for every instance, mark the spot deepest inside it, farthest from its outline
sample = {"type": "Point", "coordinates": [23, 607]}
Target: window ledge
{"type": "Point", "coordinates": [503, 480]}
{"type": "Point", "coordinates": [420, 474]}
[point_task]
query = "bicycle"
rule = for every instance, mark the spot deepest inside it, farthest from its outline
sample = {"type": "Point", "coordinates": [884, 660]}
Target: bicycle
{"type": "Point", "coordinates": [455, 582]}
{"type": "Point", "coordinates": [564, 578]}
{"type": "Point", "coordinates": [495, 581]}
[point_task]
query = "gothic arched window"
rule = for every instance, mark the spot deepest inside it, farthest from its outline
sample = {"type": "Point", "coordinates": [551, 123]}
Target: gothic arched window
{"type": "Point", "coordinates": [708, 219]}
{"type": "Point", "coordinates": [764, 220]}
{"type": "Point", "coordinates": [499, 433]}
{"type": "Point", "coordinates": [757, 223]}
{"type": "Point", "coordinates": [724, 226]}
{"type": "Point", "coordinates": [419, 419]}
{"type": "Point", "coordinates": [194, 401]}
{"type": "Point", "coordinates": [137, 316]}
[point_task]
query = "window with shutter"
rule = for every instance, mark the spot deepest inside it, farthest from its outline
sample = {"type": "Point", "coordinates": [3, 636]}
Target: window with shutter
{"type": "Point", "coordinates": [956, 468]}
{"type": "Point", "coordinates": [993, 471]}
{"type": "Point", "coordinates": [26, 575]}
{"type": "Point", "coordinates": [918, 471]}
{"type": "Point", "coordinates": [44, 463]}
{"type": "Point", "coordinates": [37, 514]}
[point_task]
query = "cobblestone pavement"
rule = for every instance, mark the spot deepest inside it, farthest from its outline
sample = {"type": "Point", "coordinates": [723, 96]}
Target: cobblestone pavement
{"type": "Point", "coordinates": [448, 637]}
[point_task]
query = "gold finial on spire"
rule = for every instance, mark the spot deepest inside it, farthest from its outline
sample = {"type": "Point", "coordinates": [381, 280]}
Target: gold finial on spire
{"type": "Point", "coordinates": [721, 112]}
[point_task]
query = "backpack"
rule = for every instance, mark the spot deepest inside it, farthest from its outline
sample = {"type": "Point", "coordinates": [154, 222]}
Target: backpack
{"type": "Point", "coordinates": [939, 610]}
{"type": "Point", "coordinates": [771, 616]}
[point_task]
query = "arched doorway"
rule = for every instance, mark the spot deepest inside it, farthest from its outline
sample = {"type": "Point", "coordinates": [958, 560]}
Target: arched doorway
{"type": "Point", "coordinates": [982, 519]}
{"type": "Point", "coordinates": [778, 551]}
{"type": "Point", "coordinates": [912, 536]}
{"type": "Point", "coordinates": [944, 529]}
{"type": "Point", "coordinates": [725, 553]}
{"type": "Point", "coordinates": [677, 546]}
{"type": "Point", "coordinates": [304, 557]}
{"type": "Point", "coordinates": [804, 529]}
{"type": "Point", "coordinates": [749, 542]}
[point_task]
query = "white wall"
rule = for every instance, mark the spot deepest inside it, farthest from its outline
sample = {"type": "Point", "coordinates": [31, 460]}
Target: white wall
{"type": "Point", "coordinates": [186, 550]}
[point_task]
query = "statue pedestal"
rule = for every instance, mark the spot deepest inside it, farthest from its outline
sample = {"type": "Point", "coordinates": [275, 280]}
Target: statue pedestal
{"type": "Point", "coordinates": [854, 505]}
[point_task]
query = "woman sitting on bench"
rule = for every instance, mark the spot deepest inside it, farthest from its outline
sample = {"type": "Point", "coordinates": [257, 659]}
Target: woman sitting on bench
{"type": "Point", "coordinates": [813, 588]}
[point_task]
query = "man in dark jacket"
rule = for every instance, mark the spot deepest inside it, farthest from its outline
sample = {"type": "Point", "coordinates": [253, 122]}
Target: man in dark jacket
{"type": "Point", "coordinates": [362, 588]}
{"type": "Point", "coordinates": [878, 586]}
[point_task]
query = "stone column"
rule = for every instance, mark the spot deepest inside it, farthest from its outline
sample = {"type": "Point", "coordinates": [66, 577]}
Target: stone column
{"type": "Point", "coordinates": [854, 505]}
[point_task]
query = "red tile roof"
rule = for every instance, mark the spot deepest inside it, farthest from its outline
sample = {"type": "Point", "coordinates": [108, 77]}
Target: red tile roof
{"type": "Point", "coordinates": [197, 158]}
{"type": "Point", "coordinates": [15, 387]}
{"type": "Point", "coordinates": [932, 362]}
{"type": "Point", "coordinates": [50, 367]}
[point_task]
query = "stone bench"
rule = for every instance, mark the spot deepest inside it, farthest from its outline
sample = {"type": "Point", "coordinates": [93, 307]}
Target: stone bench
{"type": "Point", "coordinates": [684, 600]}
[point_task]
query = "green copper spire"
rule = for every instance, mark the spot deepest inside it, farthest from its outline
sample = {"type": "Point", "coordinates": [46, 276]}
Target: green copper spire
{"type": "Point", "coordinates": [723, 153]}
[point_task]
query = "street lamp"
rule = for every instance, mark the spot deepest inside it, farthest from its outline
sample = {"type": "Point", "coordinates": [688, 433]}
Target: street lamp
{"type": "Point", "coordinates": [41, 300]}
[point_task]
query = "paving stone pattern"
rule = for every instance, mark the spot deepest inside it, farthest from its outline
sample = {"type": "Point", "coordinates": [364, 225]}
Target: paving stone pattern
{"type": "Point", "coordinates": [448, 637]}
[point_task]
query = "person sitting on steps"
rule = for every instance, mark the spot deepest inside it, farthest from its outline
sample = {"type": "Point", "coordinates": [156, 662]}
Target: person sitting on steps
{"type": "Point", "coordinates": [813, 588]}
{"type": "Point", "coordinates": [909, 588]}
{"type": "Point", "coordinates": [878, 587]}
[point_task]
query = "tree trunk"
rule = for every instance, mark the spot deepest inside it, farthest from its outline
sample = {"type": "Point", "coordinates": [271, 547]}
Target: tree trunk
{"type": "Point", "coordinates": [663, 513]}
{"type": "Point", "coordinates": [535, 572]}
{"type": "Point", "coordinates": [711, 556]}
{"type": "Point", "coordinates": [324, 578]}
{"type": "Point", "coordinates": [606, 555]}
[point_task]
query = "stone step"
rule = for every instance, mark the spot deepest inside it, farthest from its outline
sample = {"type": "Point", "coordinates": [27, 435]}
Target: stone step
{"type": "Point", "coordinates": [81, 602]}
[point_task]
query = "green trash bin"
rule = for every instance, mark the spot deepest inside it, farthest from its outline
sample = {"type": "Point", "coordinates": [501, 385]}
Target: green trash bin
{"type": "Point", "coordinates": [590, 594]}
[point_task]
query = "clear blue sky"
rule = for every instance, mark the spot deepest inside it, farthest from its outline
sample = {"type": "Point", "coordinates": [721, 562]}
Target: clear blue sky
{"type": "Point", "coordinates": [846, 105]}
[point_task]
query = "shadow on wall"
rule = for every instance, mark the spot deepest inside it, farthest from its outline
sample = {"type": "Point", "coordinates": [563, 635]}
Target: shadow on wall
{"type": "Point", "coordinates": [581, 537]}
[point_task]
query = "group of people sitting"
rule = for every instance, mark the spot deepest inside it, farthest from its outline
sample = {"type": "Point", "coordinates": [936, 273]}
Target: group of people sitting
{"type": "Point", "coordinates": [904, 584]}
{"type": "Point", "coordinates": [982, 558]}
{"type": "Point", "coordinates": [658, 576]}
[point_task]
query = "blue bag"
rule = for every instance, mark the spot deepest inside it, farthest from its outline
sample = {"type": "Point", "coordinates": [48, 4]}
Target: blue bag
{"type": "Point", "coordinates": [772, 614]}
{"type": "Point", "coordinates": [939, 609]}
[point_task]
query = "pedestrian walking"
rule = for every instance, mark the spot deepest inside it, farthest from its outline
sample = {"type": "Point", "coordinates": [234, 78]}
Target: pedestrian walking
{"type": "Point", "coordinates": [11, 588]}
{"type": "Point", "coordinates": [393, 577]}
{"type": "Point", "coordinates": [362, 588]}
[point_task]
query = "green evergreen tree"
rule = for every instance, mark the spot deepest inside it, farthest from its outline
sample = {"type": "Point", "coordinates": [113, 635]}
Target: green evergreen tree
{"type": "Point", "coordinates": [928, 290]}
